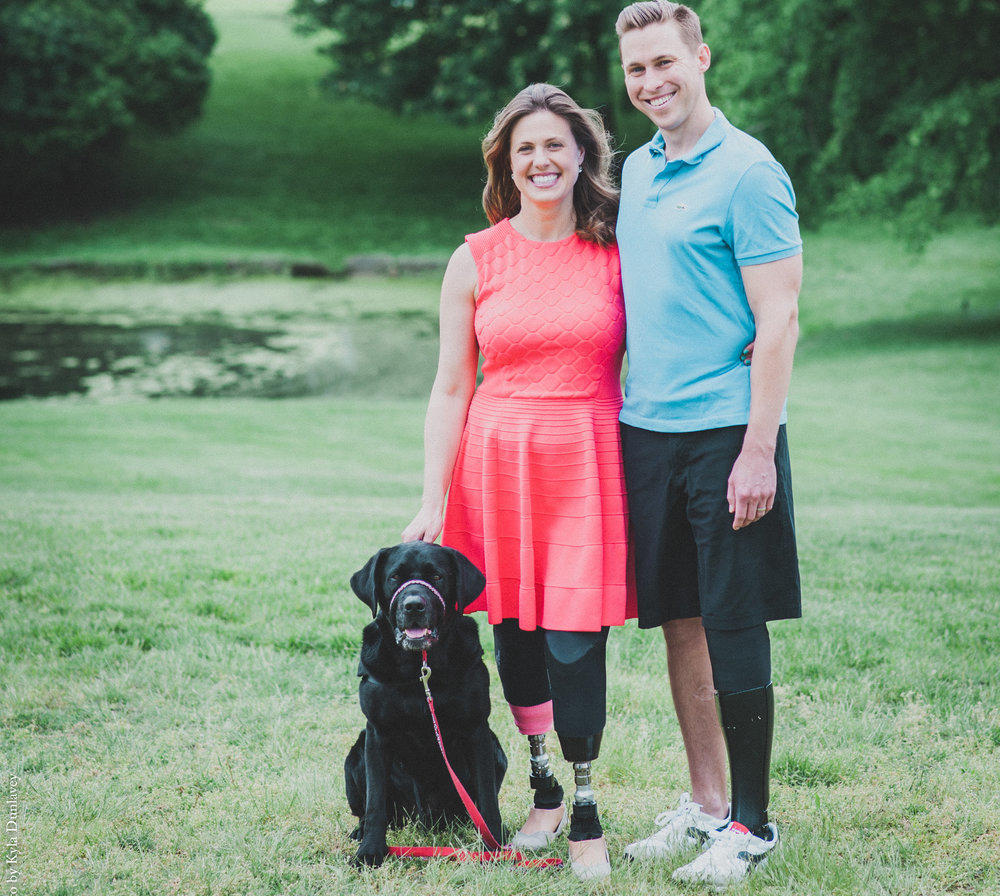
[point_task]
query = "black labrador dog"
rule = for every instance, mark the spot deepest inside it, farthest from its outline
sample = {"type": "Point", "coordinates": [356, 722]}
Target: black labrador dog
{"type": "Point", "coordinates": [394, 772]}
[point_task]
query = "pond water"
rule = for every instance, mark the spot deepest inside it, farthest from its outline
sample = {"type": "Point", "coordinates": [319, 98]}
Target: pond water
{"type": "Point", "coordinates": [382, 356]}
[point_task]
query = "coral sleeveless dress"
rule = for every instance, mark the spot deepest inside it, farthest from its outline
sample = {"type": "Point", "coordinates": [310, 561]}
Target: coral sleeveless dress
{"type": "Point", "coordinates": [537, 498]}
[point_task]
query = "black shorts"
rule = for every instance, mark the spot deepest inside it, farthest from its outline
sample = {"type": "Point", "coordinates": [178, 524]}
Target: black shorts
{"type": "Point", "coordinates": [688, 559]}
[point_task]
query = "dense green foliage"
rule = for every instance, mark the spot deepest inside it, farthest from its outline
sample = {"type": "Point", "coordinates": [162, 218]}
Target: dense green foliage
{"type": "Point", "coordinates": [274, 167]}
{"type": "Point", "coordinates": [77, 76]}
{"type": "Point", "coordinates": [877, 108]}
{"type": "Point", "coordinates": [872, 106]}
{"type": "Point", "coordinates": [466, 59]}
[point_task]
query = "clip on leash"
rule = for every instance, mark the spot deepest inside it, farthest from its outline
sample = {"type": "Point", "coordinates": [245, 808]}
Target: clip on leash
{"type": "Point", "coordinates": [495, 852]}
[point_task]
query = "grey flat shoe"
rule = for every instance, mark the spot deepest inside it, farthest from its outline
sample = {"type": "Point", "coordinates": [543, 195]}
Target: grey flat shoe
{"type": "Point", "coordinates": [539, 839]}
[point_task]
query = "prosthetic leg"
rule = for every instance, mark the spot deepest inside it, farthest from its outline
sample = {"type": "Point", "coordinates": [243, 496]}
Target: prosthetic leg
{"type": "Point", "coordinates": [587, 863]}
{"type": "Point", "coordinates": [548, 796]}
{"type": "Point", "coordinates": [568, 668]}
{"type": "Point", "coordinates": [575, 661]}
{"type": "Point", "coordinates": [581, 751]}
{"type": "Point", "coordinates": [548, 792]}
{"type": "Point", "coordinates": [747, 719]}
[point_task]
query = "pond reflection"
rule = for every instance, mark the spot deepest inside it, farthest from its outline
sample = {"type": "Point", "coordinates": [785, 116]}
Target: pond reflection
{"type": "Point", "coordinates": [386, 356]}
{"type": "Point", "coordinates": [43, 359]}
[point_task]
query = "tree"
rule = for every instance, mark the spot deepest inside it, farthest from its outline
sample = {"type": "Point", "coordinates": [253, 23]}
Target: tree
{"type": "Point", "coordinates": [880, 106]}
{"type": "Point", "coordinates": [466, 59]}
{"type": "Point", "coordinates": [77, 76]}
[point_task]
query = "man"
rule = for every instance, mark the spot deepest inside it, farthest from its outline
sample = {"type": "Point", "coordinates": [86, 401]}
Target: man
{"type": "Point", "coordinates": [711, 260]}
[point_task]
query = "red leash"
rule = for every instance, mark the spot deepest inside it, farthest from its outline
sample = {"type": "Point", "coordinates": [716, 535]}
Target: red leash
{"type": "Point", "coordinates": [496, 852]}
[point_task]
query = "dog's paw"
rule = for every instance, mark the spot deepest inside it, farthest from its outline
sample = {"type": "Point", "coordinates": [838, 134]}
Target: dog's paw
{"type": "Point", "coordinates": [370, 855]}
{"type": "Point", "coordinates": [355, 834]}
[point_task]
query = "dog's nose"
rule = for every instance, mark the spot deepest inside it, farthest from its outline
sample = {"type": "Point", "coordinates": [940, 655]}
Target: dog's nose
{"type": "Point", "coordinates": [412, 604]}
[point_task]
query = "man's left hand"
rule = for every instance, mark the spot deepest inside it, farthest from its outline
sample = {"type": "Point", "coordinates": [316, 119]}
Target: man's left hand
{"type": "Point", "coordinates": [752, 485]}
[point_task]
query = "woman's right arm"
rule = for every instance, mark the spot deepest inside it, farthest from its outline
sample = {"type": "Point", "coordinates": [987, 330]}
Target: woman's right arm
{"type": "Point", "coordinates": [450, 396]}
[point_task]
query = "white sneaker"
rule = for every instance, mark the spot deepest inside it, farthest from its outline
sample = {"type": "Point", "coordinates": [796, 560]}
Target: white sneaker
{"type": "Point", "coordinates": [730, 856]}
{"type": "Point", "coordinates": [680, 830]}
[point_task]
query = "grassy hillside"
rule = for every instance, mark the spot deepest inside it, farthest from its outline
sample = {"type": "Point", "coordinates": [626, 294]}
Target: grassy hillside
{"type": "Point", "coordinates": [275, 166]}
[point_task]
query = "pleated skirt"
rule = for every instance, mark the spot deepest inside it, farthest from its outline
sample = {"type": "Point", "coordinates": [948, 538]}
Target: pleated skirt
{"type": "Point", "coordinates": [537, 502]}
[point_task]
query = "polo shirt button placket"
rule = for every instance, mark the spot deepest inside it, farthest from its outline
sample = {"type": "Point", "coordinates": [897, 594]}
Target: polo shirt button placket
{"type": "Point", "coordinates": [662, 179]}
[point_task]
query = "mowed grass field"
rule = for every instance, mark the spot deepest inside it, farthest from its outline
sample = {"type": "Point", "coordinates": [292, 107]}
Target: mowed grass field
{"type": "Point", "coordinates": [179, 644]}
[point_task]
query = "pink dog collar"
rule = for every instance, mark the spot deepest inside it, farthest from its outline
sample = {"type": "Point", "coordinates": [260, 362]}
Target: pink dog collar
{"type": "Point", "coordinates": [427, 585]}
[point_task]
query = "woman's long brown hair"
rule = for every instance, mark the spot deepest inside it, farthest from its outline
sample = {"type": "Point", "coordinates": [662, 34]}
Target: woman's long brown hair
{"type": "Point", "coordinates": [595, 198]}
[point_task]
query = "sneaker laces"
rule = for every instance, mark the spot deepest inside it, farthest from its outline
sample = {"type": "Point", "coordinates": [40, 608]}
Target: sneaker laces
{"type": "Point", "coordinates": [686, 811]}
{"type": "Point", "coordinates": [729, 833]}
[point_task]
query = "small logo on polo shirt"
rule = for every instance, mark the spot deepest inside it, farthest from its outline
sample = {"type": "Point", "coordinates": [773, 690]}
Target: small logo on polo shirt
{"type": "Point", "coordinates": [681, 206]}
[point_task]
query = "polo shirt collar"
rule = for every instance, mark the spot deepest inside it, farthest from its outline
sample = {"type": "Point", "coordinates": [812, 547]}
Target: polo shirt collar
{"type": "Point", "coordinates": [714, 134]}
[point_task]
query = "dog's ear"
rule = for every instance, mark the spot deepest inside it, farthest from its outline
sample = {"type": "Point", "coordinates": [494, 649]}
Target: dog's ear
{"type": "Point", "coordinates": [366, 582]}
{"type": "Point", "coordinates": [469, 581]}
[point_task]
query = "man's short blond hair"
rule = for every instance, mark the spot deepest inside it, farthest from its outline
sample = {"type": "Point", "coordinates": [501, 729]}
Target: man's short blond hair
{"type": "Point", "coordinates": [653, 12]}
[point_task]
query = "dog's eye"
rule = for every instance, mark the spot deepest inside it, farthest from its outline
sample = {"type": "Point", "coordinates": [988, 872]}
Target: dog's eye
{"type": "Point", "coordinates": [393, 578]}
{"type": "Point", "coordinates": [438, 577]}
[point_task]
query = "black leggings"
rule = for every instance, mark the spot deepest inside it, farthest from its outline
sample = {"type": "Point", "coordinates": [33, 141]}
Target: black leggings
{"type": "Point", "coordinates": [741, 658]}
{"type": "Point", "coordinates": [567, 668]}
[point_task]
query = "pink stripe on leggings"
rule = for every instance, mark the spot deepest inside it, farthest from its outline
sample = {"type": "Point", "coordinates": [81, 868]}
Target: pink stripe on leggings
{"type": "Point", "coordinates": [532, 719]}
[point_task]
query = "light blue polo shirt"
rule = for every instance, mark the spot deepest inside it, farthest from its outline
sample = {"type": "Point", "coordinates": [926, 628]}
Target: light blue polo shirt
{"type": "Point", "coordinates": [685, 227]}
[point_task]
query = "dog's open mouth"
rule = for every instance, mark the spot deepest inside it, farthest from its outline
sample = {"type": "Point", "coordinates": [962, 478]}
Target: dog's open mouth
{"type": "Point", "coordinates": [416, 638]}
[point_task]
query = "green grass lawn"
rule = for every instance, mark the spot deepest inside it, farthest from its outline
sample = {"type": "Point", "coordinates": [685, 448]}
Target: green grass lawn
{"type": "Point", "coordinates": [179, 643]}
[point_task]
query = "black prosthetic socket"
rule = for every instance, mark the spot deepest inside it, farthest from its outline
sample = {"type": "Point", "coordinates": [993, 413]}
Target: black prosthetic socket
{"type": "Point", "coordinates": [548, 791]}
{"type": "Point", "coordinates": [578, 679]}
{"type": "Point", "coordinates": [584, 823]}
{"type": "Point", "coordinates": [580, 749]}
{"type": "Point", "coordinates": [520, 658]}
{"type": "Point", "coordinates": [747, 719]}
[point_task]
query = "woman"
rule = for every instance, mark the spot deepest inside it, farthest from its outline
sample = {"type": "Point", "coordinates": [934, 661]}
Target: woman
{"type": "Point", "coordinates": [530, 461]}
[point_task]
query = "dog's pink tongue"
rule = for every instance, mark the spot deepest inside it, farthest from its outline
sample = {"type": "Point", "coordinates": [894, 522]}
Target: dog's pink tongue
{"type": "Point", "coordinates": [415, 634]}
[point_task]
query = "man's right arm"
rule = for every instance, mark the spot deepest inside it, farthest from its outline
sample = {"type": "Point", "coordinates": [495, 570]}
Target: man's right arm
{"type": "Point", "coordinates": [772, 290]}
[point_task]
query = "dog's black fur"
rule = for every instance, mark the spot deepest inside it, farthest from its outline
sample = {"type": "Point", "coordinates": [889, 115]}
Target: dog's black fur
{"type": "Point", "coordinates": [394, 771]}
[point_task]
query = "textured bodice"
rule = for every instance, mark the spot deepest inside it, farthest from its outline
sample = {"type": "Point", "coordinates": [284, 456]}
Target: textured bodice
{"type": "Point", "coordinates": [549, 316]}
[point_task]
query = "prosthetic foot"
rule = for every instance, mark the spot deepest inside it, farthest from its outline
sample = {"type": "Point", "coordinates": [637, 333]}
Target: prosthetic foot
{"type": "Point", "coordinates": [548, 799]}
{"type": "Point", "coordinates": [588, 853]}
